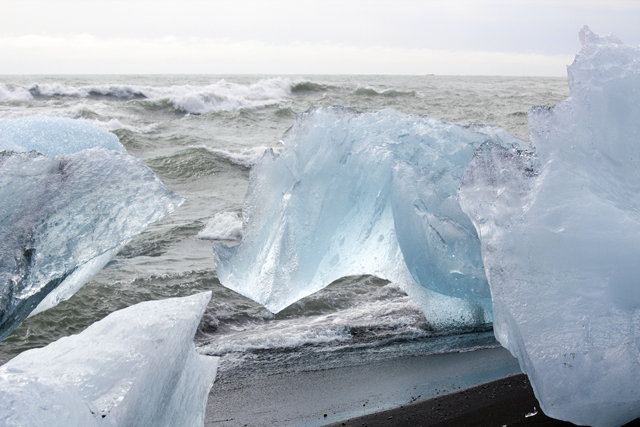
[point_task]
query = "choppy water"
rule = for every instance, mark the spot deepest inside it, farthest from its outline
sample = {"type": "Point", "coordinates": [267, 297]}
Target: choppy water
{"type": "Point", "coordinates": [201, 134]}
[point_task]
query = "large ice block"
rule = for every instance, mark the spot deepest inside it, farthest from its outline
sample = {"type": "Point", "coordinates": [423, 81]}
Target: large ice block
{"type": "Point", "coordinates": [560, 232]}
{"type": "Point", "coordinates": [371, 193]}
{"type": "Point", "coordinates": [137, 366]}
{"type": "Point", "coordinates": [63, 218]}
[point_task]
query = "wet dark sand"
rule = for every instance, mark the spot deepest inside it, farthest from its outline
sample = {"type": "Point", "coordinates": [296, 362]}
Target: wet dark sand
{"type": "Point", "coordinates": [506, 402]}
{"type": "Point", "coordinates": [478, 388]}
{"type": "Point", "coordinates": [301, 398]}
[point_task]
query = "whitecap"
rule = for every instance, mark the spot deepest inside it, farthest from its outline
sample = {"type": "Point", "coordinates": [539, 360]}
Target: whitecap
{"type": "Point", "coordinates": [18, 94]}
{"type": "Point", "coordinates": [223, 226]}
{"type": "Point", "coordinates": [219, 96]}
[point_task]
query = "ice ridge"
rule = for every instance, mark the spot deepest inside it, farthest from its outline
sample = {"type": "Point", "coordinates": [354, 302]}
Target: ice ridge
{"type": "Point", "coordinates": [354, 194]}
{"type": "Point", "coordinates": [560, 233]}
{"type": "Point", "coordinates": [137, 366]}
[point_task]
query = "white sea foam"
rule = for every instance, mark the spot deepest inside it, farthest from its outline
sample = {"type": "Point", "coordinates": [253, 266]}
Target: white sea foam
{"type": "Point", "coordinates": [291, 335]}
{"type": "Point", "coordinates": [399, 313]}
{"type": "Point", "coordinates": [219, 96]}
{"type": "Point", "coordinates": [226, 96]}
{"type": "Point", "coordinates": [17, 94]}
{"type": "Point", "coordinates": [223, 226]}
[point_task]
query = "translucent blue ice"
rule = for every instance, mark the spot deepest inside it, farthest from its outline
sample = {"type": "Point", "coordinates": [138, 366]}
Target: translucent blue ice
{"type": "Point", "coordinates": [137, 366]}
{"type": "Point", "coordinates": [355, 194]}
{"type": "Point", "coordinates": [54, 135]}
{"type": "Point", "coordinates": [63, 218]}
{"type": "Point", "coordinates": [560, 231]}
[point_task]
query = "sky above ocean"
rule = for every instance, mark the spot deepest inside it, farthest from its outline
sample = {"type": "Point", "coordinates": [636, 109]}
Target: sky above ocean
{"type": "Point", "coordinates": [459, 37]}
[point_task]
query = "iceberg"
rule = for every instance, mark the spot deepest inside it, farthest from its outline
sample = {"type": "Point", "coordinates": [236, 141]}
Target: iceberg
{"type": "Point", "coordinates": [364, 193]}
{"type": "Point", "coordinates": [64, 217]}
{"type": "Point", "coordinates": [137, 366]}
{"type": "Point", "coordinates": [560, 233]}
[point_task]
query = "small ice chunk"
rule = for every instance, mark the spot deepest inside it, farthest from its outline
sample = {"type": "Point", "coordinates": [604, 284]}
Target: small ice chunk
{"type": "Point", "coordinates": [223, 226]}
{"type": "Point", "coordinates": [532, 413]}
{"type": "Point", "coordinates": [137, 366]}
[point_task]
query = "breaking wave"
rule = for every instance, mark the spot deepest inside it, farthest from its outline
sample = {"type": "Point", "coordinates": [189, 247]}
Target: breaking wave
{"type": "Point", "coordinates": [219, 96]}
{"type": "Point", "coordinates": [17, 94]}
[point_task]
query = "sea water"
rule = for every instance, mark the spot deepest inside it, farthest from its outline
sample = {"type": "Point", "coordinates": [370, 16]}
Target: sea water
{"type": "Point", "coordinates": [200, 135]}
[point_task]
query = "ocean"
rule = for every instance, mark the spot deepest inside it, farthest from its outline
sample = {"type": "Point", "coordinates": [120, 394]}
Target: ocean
{"type": "Point", "coordinates": [201, 134]}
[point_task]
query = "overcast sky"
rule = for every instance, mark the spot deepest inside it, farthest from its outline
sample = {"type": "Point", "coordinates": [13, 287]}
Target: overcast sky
{"type": "Point", "coordinates": [502, 37]}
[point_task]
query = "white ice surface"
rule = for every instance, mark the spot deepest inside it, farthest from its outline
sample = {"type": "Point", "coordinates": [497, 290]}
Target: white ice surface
{"type": "Point", "coordinates": [138, 366]}
{"type": "Point", "coordinates": [560, 231]}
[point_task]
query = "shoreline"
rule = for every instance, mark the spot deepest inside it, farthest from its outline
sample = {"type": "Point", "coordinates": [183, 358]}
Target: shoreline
{"type": "Point", "coordinates": [505, 402]}
{"type": "Point", "coordinates": [312, 398]}
{"type": "Point", "coordinates": [508, 401]}
{"type": "Point", "coordinates": [480, 388]}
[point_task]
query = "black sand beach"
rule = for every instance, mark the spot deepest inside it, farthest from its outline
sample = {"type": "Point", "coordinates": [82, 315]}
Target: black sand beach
{"type": "Point", "coordinates": [478, 388]}
{"type": "Point", "coordinates": [506, 402]}
{"type": "Point", "coordinates": [302, 396]}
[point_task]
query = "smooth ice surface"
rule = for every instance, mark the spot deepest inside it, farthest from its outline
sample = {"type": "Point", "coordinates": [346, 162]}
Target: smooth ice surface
{"type": "Point", "coordinates": [54, 135]}
{"type": "Point", "coordinates": [560, 231]}
{"type": "Point", "coordinates": [63, 218]}
{"type": "Point", "coordinates": [137, 366]}
{"type": "Point", "coordinates": [354, 194]}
